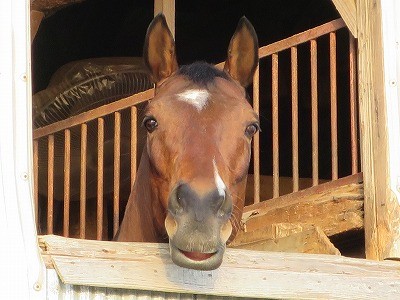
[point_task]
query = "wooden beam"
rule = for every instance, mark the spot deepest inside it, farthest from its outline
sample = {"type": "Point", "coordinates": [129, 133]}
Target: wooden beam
{"type": "Point", "coordinates": [36, 19]}
{"type": "Point", "coordinates": [335, 207]}
{"type": "Point", "coordinates": [167, 7]}
{"type": "Point", "coordinates": [347, 10]}
{"type": "Point", "coordinates": [382, 210]}
{"type": "Point", "coordinates": [47, 6]}
{"type": "Point", "coordinates": [286, 237]}
{"type": "Point", "coordinates": [145, 266]}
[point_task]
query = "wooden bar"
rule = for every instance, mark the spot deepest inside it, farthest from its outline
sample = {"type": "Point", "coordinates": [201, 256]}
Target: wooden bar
{"type": "Point", "coordinates": [256, 138]}
{"type": "Point", "coordinates": [117, 165]}
{"type": "Point", "coordinates": [333, 83]}
{"type": "Point", "coordinates": [50, 184]}
{"type": "Point", "coordinates": [266, 275]}
{"type": "Point", "coordinates": [94, 114]}
{"type": "Point", "coordinates": [36, 19]}
{"type": "Point", "coordinates": [382, 207]}
{"type": "Point", "coordinates": [275, 126]}
{"type": "Point", "coordinates": [348, 12]}
{"type": "Point", "coordinates": [100, 177]}
{"type": "Point", "coordinates": [167, 7]}
{"type": "Point", "coordinates": [301, 38]}
{"type": "Point", "coordinates": [36, 179]}
{"type": "Point", "coordinates": [295, 119]}
{"type": "Point", "coordinates": [314, 111]}
{"type": "Point", "coordinates": [67, 180]}
{"type": "Point", "coordinates": [289, 199]}
{"type": "Point", "coordinates": [133, 144]}
{"type": "Point", "coordinates": [82, 203]}
{"type": "Point", "coordinates": [353, 104]}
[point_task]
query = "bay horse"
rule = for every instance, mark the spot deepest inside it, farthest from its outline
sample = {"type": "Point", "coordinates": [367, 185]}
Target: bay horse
{"type": "Point", "coordinates": [191, 180]}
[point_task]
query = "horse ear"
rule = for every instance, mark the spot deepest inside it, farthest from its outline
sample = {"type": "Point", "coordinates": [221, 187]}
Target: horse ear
{"type": "Point", "coordinates": [242, 59]}
{"type": "Point", "coordinates": [159, 49]}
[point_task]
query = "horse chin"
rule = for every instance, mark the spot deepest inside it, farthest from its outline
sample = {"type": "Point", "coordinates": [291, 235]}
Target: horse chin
{"type": "Point", "coordinates": [197, 260]}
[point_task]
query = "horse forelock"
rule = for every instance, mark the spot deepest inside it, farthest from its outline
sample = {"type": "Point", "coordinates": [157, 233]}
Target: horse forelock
{"type": "Point", "coordinates": [202, 73]}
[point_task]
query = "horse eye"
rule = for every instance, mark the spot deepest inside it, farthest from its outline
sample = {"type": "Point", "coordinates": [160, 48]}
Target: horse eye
{"type": "Point", "coordinates": [252, 130]}
{"type": "Point", "coordinates": [150, 123]}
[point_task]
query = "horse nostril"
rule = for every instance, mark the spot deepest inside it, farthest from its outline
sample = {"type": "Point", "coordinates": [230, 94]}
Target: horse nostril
{"type": "Point", "coordinates": [225, 206]}
{"type": "Point", "coordinates": [176, 201]}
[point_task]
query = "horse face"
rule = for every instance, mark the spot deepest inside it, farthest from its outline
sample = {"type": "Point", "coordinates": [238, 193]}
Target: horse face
{"type": "Point", "coordinates": [199, 127]}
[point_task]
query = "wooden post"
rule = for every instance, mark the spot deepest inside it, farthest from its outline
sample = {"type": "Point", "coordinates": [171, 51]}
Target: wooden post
{"type": "Point", "coordinates": [167, 7]}
{"type": "Point", "coordinates": [347, 10]}
{"type": "Point", "coordinates": [382, 209]}
{"type": "Point", "coordinates": [36, 19]}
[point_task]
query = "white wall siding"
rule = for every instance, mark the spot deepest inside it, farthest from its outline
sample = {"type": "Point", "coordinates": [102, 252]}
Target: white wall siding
{"type": "Point", "coordinates": [56, 290]}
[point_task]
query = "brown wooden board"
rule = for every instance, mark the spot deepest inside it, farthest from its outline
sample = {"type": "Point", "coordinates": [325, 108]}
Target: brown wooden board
{"type": "Point", "coordinates": [286, 237]}
{"type": "Point", "coordinates": [335, 207]}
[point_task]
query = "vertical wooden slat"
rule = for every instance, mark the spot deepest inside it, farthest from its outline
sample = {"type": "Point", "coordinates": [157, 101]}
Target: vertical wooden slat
{"type": "Point", "coordinates": [50, 184]}
{"type": "Point", "coordinates": [100, 160]}
{"type": "Point", "coordinates": [36, 180]}
{"type": "Point", "coordinates": [133, 144]}
{"type": "Point", "coordinates": [82, 203]}
{"type": "Point", "coordinates": [275, 127]}
{"type": "Point", "coordinates": [117, 163]}
{"type": "Point", "coordinates": [295, 120]}
{"type": "Point", "coordinates": [314, 111]}
{"type": "Point", "coordinates": [333, 81]}
{"type": "Point", "coordinates": [167, 7]}
{"type": "Point", "coordinates": [256, 138]}
{"type": "Point", "coordinates": [353, 104]}
{"type": "Point", "coordinates": [67, 174]}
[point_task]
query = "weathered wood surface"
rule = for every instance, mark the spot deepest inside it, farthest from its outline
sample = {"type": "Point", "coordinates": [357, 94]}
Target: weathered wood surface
{"type": "Point", "coordinates": [335, 207]}
{"type": "Point", "coordinates": [286, 237]}
{"type": "Point", "coordinates": [266, 186]}
{"type": "Point", "coordinates": [245, 273]}
{"type": "Point", "coordinates": [382, 209]}
{"type": "Point", "coordinates": [36, 19]}
{"type": "Point", "coordinates": [167, 7]}
{"type": "Point", "coordinates": [347, 10]}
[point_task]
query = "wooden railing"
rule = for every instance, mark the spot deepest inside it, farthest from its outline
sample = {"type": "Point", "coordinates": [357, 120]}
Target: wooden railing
{"type": "Point", "coordinates": [75, 130]}
{"type": "Point", "coordinates": [273, 50]}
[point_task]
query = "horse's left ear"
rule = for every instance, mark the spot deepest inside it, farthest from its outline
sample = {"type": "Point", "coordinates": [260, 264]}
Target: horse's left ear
{"type": "Point", "coordinates": [242, 59]}
{"type": "Point", "coordinates": [159, 50]}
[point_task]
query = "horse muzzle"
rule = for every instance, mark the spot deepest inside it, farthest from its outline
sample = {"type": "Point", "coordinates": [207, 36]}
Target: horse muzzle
{"type": "Point", "coordinates": [198, 227]}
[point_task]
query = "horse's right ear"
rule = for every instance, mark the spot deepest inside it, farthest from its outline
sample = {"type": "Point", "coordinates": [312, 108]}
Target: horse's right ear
{"type": "Point", "coordinates": [159, 50]}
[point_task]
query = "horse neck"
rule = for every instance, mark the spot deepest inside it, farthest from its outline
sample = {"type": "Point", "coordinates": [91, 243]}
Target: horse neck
{"type": "Point", "coordinates": [137, 224]}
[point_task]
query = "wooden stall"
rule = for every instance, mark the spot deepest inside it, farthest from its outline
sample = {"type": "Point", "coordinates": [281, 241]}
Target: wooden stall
{"type": "Point", "coordinates": [307, 217]}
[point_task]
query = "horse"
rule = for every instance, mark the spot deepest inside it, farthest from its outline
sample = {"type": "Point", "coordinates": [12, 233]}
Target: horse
{"type": "Point", "coordinates": [191, 181]}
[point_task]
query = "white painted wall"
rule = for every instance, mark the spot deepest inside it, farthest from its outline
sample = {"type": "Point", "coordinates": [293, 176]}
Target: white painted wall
{"type": "Point", "coordinates": [391, 43]}
{"type": "Point", "coordinates": [22, 271]}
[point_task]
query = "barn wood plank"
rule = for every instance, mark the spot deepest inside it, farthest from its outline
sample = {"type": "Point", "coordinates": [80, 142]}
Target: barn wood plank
{"type": "Point", "coordinates": [382, 209]}
{"type": "Point", "coordinates": [335, 207]}
{"type": "Point", "coordinates": [167, 7]}
{"type": "Point", "coordinates": [147, 266]}
{"type": "Point", "coordinates": [347, 10]}
{"type": "Point", "coordinates": [287, 237]}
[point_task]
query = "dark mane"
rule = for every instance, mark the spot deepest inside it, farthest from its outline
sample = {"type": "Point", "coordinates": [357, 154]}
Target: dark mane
{"type": "Point", "coordinates": [201, 72]}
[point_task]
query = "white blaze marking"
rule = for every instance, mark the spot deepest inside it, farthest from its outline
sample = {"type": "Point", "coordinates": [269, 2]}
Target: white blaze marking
{"type": "Point", "coordinates": [198, 98]}
{"type": "Point", "coordinates": [218, 181]}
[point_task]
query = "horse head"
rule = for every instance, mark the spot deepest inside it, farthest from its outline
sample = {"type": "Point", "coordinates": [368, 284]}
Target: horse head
{"type": "Point", "coordinates": [199, 130]}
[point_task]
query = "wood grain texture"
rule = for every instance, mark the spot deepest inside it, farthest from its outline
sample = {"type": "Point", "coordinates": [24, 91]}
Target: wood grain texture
{"type": "Point", "coordinates": [347, 10]}
{"type": "Point", "coordinates": [245, 273]}
{"type": "Point", "coordinates": [335, 207]}
{"type": "Point", "coordinates": [167, 7]}
{"type": "Point", "coordinates": [382, 210]}
{"type": "Point", "coordinates": [286, 237]}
